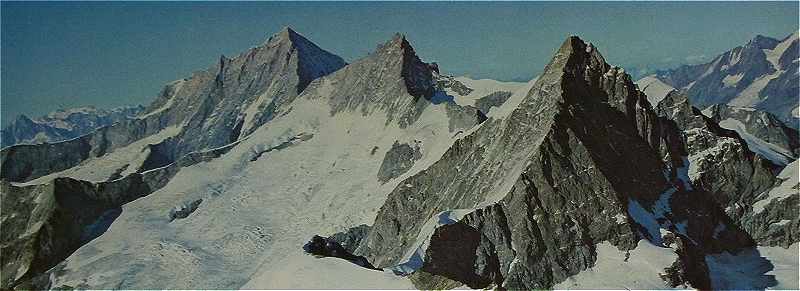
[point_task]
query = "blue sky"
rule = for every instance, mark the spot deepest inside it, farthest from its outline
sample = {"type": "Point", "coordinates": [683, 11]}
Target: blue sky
{"type": "Point", "coordinates": [67, 54]}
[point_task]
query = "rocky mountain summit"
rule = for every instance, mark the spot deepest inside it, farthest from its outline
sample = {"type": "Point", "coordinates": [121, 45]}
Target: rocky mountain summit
{"type": "Point", "coordinates": [404, 177]}
{"type": "Point", "coordinates": [587, 160]}
{"type": "Point", "coordinates": [761, 74]}
{"type": "Point", "coordinates": [63, 124]}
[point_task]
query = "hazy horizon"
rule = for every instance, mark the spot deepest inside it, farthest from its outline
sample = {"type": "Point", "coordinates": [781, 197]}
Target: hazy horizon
{"type": "Point", "coordinates": [71, 54]}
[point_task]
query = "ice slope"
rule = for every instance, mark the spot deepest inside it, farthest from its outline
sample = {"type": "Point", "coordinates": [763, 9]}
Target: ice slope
{"type": "Point", "coordinates": [256, 215]}
{"type": "Point", "coordinates": [615, 269]}
{"type": "Point", "coordinates": [513, 101]}
{"type": "Point", "coordinates": [742, 271]}
{"type": "Point", "coordinates": [654, 88]}
{"type": "Point", "coordinates": [481, 88]}
{"type": "Point", "coordinates": [303, 271]}
{"type": "Point", "coordinates": [785, 262]}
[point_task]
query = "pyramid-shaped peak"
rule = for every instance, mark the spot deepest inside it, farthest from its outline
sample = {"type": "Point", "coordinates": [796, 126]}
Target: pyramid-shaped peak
{"type": "Point", "coordinates": [417, 74]}
{"type": "Point", "coordinates": [397, 43]}
{"type": "Point", "coordinates": [763, 42]}
{"type": "Point", "coordinates": [575, 57]}
{"type": "Point", "coordinates": [286, 34]}
{"type": "Point", "coordinates": [288, 30]}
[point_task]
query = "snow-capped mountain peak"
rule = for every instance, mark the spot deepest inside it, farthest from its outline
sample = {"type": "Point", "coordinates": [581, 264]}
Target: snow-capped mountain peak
{"type": "Point", "coordinates": [761, 74]}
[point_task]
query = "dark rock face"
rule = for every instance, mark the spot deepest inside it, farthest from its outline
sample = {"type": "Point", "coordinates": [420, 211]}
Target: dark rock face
{"type": "Point", "coordinates": [59, 213]}
{"type": "Point", "coordinates": [444, 82]}
{"type": "Point", "coordinates": [63, 124]}
{"type": "Point", "coordinates": [761, 74]}
{"type": "Point", "coordinates": [324, 247]}
{"type": "Point", "coordinates": [492, 100]}
{"type": "Point", "coordinates": [398, 160]}
{"type": "Point", "coordinates": [452, 254]}
{"type": "Point", "coordinates": [351, 238]}
{"type": "Point", "coordinates": [772, 218]}
{"type": "Point", "coordinates": [183, 211]}
{"type": "Point", "coordinates": [463, 117]}
{"type": "Point", "coordinates": [690, 269]}
{"type": "Point", "coordinates": [584, 159]}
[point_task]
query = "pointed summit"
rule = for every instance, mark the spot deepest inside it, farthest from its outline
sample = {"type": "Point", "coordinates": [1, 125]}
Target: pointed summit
{"type": "Point", "coordinates": [763, 42]}
{"type": "Point", "coordinates": [575, 52]}
{"type": "Point", "coordinates": [578, 73]}
{"type": "Point", "coordinates": [286, 34]}
{"type": "Point", "coordinates": [287, 30]}
{"type": "Point", "coordinates": [418, 75]}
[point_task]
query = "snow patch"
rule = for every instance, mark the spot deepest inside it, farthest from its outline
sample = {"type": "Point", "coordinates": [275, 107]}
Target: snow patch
{"type": "Point", "coordinates": [177, 87]}
{"type": "Point", "coordinates": [732, 80]}
{"type": "Point", "coordinates": [654, 88]}
{"type": "Point", "coordinates": [774, 55]}
{"type": "Point", "coordinates": [481, 88]}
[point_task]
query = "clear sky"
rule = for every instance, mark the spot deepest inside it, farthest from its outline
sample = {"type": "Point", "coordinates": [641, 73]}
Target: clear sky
{"type": "Point", "coordinates": [69, 54]}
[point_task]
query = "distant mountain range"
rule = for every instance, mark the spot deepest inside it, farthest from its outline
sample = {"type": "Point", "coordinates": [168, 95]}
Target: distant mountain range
{"type": "Point", "coordinates": [63, 124]}
{"type": "Point", "coordinates": [762, 74]}
{"type": "Point", "coordinates": [403, 177]}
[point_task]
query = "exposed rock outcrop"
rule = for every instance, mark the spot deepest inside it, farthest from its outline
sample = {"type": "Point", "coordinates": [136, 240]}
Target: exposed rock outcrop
{"type": "Point", "coordinates": [351, 238]}
{"type": "Point", "coordinates": [398, 160]}
{"type": "Point", "coordinates": [381, 81]}
{"type": "Point", "coordinates": [492, 100]}
{"type": "Point", "coordinates": [326, 247]}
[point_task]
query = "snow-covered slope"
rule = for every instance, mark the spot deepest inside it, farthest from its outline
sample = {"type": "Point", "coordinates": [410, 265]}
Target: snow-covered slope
{"type": "Point", "coordinates": [771, 267]}
{"type": "Point", "coordinates": [473, 90]}
{"type": "Point", "coordinates": [655, 89]}
{"type": "Point", "coordinates": [639, 268]}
